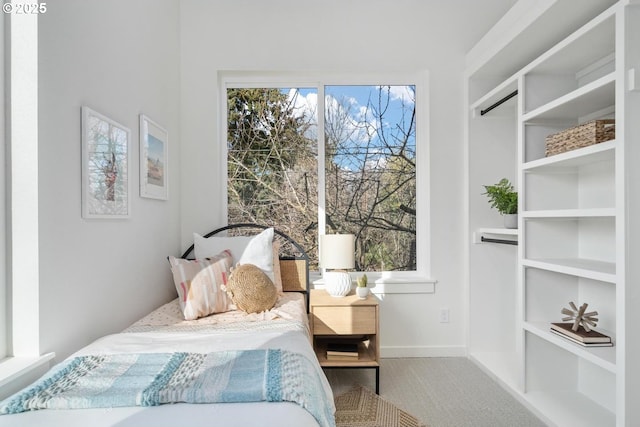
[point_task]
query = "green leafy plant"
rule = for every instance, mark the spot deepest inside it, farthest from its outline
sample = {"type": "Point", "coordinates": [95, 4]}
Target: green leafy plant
{"type": "Point", "coordinates": [362, 281]}
{"type": "Point", "coordinates": [502, 197]}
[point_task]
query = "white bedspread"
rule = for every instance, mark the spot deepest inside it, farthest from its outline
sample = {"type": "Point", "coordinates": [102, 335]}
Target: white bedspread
{"type": "Point", "coordinates": [161, 332]}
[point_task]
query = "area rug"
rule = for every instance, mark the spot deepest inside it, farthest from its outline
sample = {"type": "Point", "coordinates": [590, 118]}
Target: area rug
{"type": "Point", "coordinates": [361, 407]}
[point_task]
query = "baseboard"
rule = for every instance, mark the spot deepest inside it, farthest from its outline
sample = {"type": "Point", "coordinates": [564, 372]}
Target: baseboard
{"type": "Point", "coordinates": [423, 351]}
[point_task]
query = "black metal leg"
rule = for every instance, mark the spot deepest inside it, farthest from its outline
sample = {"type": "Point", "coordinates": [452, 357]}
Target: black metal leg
{"type": "Point", "coordinates": [377, 380]}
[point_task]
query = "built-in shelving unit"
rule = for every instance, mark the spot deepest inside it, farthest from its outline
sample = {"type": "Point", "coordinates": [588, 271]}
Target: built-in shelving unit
{"type": "Point", "coordinates": [573, 207]}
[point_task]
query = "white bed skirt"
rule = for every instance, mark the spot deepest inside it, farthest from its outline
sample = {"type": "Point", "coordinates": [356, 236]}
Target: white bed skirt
{"type": "Point", "coordinates": [259, 414]}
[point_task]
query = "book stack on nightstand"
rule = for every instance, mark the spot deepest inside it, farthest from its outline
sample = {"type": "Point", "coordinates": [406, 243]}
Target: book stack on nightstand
{"type": "Point", "coordinates": [347, 351]}
{"type": "Point", "coordinates": [581, 336]}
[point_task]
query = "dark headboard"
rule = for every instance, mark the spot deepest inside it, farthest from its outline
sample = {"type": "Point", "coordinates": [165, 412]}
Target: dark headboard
{"type": "Point", "coordinates": [294, 261]}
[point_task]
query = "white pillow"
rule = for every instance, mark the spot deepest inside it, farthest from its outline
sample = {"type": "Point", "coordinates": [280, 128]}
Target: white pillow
{"type": "Point", "coordinates": [207, 247]}
{"type": "Point", "coordinates": [256, 250]}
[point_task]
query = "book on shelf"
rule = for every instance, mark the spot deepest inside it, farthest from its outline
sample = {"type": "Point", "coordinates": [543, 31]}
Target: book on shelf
{"type": "Point", "coordinates": [584, 344]}
{"type": "Point", "coordinates": [342, 358]}
{"type": "Point", "coordinates": [581, 335]}
{"type": "Point", "coordinates": [342, 350]}
{"type": "Point", "coordinates": [342, 354]}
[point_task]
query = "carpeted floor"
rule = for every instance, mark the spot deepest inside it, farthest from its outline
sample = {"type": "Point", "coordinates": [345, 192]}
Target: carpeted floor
{"type": "Point", "coordinates": [440, 392]}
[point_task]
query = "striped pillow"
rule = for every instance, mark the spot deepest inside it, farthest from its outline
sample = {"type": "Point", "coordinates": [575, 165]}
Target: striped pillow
{"type": "Point", "coordinates": [199, 284]}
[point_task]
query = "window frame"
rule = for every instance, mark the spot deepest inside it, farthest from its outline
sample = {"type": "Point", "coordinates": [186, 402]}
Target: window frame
{"type": "Point", "coordinates": [277, 79]}
{"type": "Point", "coordinates": [22, 358]}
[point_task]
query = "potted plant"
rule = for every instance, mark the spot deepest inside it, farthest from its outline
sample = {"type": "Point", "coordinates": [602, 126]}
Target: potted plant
{"type": "Point", "coordinates": [504, 198]}
{"type": "Point", "coordinates": [362, 289]}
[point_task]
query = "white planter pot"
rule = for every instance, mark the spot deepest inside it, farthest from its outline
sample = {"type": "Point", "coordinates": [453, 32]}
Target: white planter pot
{"type": "Point", "coordinates": [362, 292]}
{"type": "Point", "coordinates": [511, 221]}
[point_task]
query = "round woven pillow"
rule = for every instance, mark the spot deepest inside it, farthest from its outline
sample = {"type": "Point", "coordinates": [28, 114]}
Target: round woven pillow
{"type": "Point", "coordinates": [250, 289]}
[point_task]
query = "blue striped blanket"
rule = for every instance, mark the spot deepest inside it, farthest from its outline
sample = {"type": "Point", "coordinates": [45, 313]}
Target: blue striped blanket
{"type": "Point", "coordinates": [150, 379]}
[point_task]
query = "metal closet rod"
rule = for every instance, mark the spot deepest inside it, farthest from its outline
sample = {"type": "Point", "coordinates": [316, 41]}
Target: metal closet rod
{"type": "Point", "coordinates": [498, 103]}
{"type": "Point", "coordinates": [503, 241]}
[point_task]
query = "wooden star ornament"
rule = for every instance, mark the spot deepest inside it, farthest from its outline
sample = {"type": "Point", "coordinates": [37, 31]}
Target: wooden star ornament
{"type": "Point", "coordinates": [579, 317]}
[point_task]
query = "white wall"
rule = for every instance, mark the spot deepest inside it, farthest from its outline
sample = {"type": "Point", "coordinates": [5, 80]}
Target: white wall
{"type": "Point", "coordinates": [120, 58]}
{"type": "Point", "coordinates": [335, 35]}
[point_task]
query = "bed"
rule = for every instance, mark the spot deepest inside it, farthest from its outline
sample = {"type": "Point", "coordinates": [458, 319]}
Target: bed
{"type": "Point", "coordinates": [231, 368]}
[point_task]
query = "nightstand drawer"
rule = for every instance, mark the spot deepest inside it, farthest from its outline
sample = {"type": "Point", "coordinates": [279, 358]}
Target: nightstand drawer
{"type": "Point", "coordinates": [344, 320]}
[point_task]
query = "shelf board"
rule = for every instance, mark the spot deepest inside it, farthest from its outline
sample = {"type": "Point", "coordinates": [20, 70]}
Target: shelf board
{"type": "Point", "coordinates": [502, 90]}
{"type": "Point", "coordinates": [571, 213]}
{"type": "Point", "coordinates": [605, 151]}
{"type": "Point", "coordinates": [584, 47]}
{"type": "Point", "coordinates": [570, 408]}
{"type": "Point", "coordinates": [580, 267]}
{"type": "Point", "coordinates": [510, 234]}
{"type": "Point", "coordinates": [499, 231]}
{"type": "Point", "coordinates": [366, 353]}
{"type": "Point", "coordinates": [587, 99]}
{"type": "Point", "coordinates": [604, 357]}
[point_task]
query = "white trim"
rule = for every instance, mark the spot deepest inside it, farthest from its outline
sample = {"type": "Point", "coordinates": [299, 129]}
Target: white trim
{"type": "Point", "coordinates": [427, 286]}
{"type": "Point", "coordinates": [23, 210]}
{"type": "Point", "coordinates": [423, 176]}
{"type": "Point", "coordinates": [322, 194]}
{"type": "Point", "coordinates": [12, 368]}
{"type": "Point", "coordinates": [4, 205]}
{"type": "Point", "coordinates": [318, 79]}
{"type": "Point", "coordinates": [520, 16]}
{"type": "Point", "coordinates": [17, 372]}
{"type": "Point", "coordinates": [398, 286]}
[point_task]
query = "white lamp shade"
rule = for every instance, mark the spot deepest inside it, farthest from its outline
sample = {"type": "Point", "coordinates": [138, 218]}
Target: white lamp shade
{"type": "Point", "coordinates": [337, 251]}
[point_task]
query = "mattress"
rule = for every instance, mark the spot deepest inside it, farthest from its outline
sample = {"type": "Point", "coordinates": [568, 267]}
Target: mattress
{"type": "Point", "coordinates": [164, 330]}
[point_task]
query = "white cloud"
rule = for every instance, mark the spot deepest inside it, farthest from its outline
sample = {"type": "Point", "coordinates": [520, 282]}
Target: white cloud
{"type": "Point", "coordinates": [351, 119]}
{"type": "Point", "coordinates": [405, 94]}
{"type": "Point", "coordinates": [304, 106]}
{"type": "Point", "coordinates": [355, 121]}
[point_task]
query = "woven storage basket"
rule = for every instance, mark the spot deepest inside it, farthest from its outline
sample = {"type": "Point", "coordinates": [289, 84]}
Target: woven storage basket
{"type": "Point", "coordinates": [583, 135]}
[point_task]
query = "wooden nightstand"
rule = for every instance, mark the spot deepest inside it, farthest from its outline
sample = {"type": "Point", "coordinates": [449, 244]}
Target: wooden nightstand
{"type": "Point", "coordinates": [346, 319]}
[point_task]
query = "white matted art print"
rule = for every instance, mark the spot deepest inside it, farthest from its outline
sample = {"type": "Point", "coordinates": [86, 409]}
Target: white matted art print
{"type": "Point", "coordinates": [105, 167]}
{"type": "Point", "coordinates": [154, 160]}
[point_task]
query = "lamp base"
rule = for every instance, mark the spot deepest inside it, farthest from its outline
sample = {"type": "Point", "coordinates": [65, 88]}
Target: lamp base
{"type": "Point", "coordinates": [337, 283]}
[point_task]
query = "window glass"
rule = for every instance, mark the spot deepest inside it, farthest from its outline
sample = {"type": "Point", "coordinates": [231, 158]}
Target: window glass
{"type": "Point", "coordinates": [366, 160]}
{"type": "Point", "coordinates": [272, 162]}
{"type": "Point", "coordinates": [370, 173]}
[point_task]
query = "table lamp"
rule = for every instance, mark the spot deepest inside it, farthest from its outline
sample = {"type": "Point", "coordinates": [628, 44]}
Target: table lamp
{"type": "Point", "coordinates": [337, 253]}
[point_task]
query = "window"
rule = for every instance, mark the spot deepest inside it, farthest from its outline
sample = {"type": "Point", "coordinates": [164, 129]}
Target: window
{"type": "Point", "coordinates": [351, 169]}
{"type": "Point", "coordinates": [370, 172]}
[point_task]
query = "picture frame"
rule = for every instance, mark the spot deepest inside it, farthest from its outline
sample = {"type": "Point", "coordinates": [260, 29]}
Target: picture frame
{"type": "Point", "coordinates": [106, 155]}
{"type": "Point", "coordinates": [154, 160]}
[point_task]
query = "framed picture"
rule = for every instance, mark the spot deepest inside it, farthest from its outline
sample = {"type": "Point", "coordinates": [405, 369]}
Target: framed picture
{"type": "Point", "coordinates": [105, 167]}
{"type": "Point", "coordinates": [154, 157]}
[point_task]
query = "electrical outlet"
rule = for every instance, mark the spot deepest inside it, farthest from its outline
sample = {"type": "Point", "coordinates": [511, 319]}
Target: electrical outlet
{"type": "Point", "coordinates": [444, 315]}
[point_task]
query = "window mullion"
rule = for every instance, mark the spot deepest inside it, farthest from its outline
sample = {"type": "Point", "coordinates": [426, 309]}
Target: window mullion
{"type": "Point", "coordinates": [321, 160]}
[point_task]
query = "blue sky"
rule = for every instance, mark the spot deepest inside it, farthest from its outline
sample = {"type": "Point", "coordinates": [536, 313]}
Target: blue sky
{"type": "Point", "coordinates": [349, 102]}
